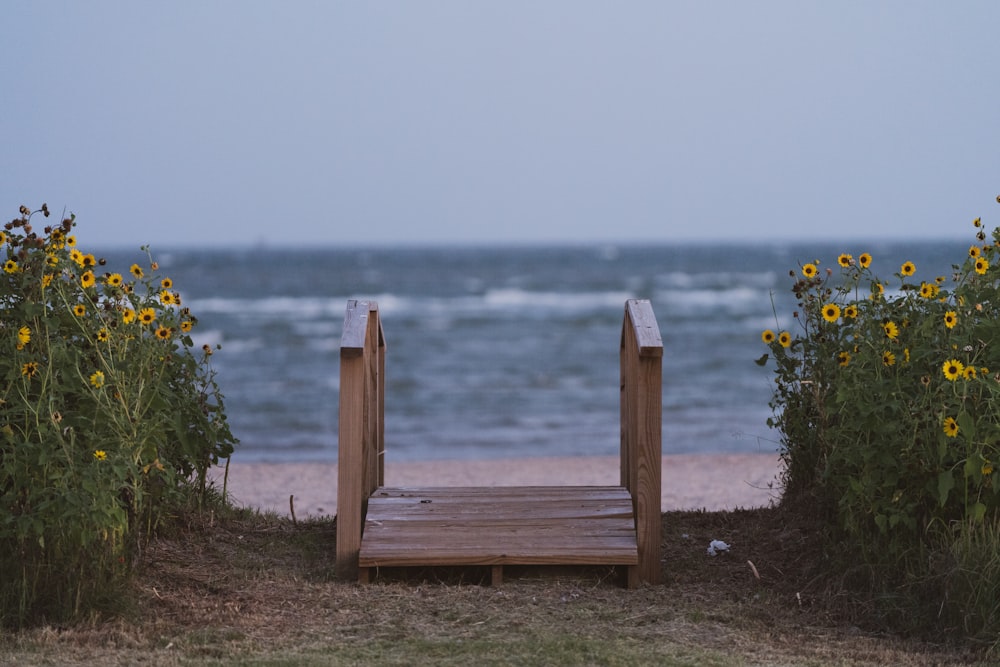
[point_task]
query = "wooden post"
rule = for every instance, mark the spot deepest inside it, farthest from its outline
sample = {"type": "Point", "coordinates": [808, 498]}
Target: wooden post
{"type": "Point", "coordinates": [361, 427]}
{"type": "Point", "coordinates": [641, 444]}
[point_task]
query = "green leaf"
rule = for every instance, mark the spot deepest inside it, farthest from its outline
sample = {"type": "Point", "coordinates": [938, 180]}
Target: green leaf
{"type": "Point", "coordinates": [946, 482]}
{"type": "Point", "coordinates": [762, 360]}
{"type": "Point", "coordinates": [966, 425]}
{"type": "Point", "coordinates": [977, 512]}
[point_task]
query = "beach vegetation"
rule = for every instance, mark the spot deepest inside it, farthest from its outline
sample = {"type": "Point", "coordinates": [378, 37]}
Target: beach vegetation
{"type": "Point", "coordinates": [888, 404]}
{"type": "Point", "coordinates": [107, 424]}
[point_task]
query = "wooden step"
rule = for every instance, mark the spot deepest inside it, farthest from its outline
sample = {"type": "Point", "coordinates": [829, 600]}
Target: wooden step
{"type": "Point", "coordinates": [525, 525]}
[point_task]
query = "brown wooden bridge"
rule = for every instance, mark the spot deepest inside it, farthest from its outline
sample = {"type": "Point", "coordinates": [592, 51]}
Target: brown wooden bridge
{"type": "Point", "coordinates": [380, 526]}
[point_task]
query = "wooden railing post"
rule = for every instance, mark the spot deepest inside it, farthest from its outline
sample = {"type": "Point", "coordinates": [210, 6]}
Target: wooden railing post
{"type": "Point", "coordinates": [361, 449]}
{"type": "Point", "coordinates": [641, 444]}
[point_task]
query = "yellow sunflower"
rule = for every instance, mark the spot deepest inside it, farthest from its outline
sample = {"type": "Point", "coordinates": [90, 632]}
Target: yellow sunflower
{"type": "Point", "coordinates": [952, 369]}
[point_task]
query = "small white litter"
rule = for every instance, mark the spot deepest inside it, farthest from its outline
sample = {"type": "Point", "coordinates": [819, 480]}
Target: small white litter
{"type": "Point", "coordinates": [717, 547]}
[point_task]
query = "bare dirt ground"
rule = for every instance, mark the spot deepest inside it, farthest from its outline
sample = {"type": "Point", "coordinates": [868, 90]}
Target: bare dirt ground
{"type": "Point", "coordinates": [259, 590]}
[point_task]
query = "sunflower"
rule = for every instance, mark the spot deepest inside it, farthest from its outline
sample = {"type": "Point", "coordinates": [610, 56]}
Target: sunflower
{"type": "Point", "coordinates": [88, 261]}
{"type": "Point", "coordinates": [166, 283]}
{"type": "Point", "coordinates": [103, 336]}
{"type": "Point", "coordinates": [767, 336]}
{"type": "Point", "coordinates": [969, 373]}
{"type": "Point", "coordinates": [950, 319]}
{"type": "Point", "coordinates": [981, 265]}
{"type": "Point", "coordinates": [186, 326]}
{"type": "Point", "coordinates": [877, 290]}
{"type": "Point", "coordinates": [52, 260]}
{"type": "Point", "coordinates": [79, 310]}
{"type": "Point", "coordinates": [845, 260]}
{"type": "Point", "coordinates": [973, 251]}
{"type": "Point", "coordinates": [950, 427]}
{"type": "Point", "coordinates": [928, 291]}
{"type": "Point", "coordinates": [888, 358]}
{"type": "Point", "coordinates": [76, 256]}
{"type": "Point", "coordinates": [114, 280]}
{"type": "Point", "coordinates": [865, 260]}
{"type": "Point", "coordinates": [29, 369]}
{"type": "Point", "coordinates": [809, 270]}
{"type": "Point", "coordinates": [953, 369]}
{"type": "Point", "coordinates": [71, 240]}
{"type": "Point", "coordinates": [97, 379]}
{"type": "Point", "coordinates": [844, 358]}
{"type": "Point", "coordinates": [166, 298]}
{"type": "Point", "coordinates": [891, 330]}
{"type": "Point", "coordinates": [147, 315]}
{"type": "Point", "coordinates": [100, 455]}
{"type": "Point", "coordinates": [136, 270]}
{"type": "Point", "coordinates": [87, 279]}
{"type": "Point", "coordinates": [128, 316]}
{"type": "Point", "coordinates": [987, 469]}
{"type": "Point", "coordinates": [831, 312]}
{"type": "Point", "coordinates": [10, 266]}
{"type": "Point", "coordinates": [785, 339]}
{"type": "Point", "coordinates": [163, 333]}
{"type": "Point", "coordinates": [850, 312]}
{"type": "Point", "coordinates": [908, 269]}
{"type": "Point", "coordinates": [23, 336]}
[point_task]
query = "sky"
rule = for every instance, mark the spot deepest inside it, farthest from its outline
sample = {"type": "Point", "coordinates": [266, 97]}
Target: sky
{"type": "Point", "coordinates": [247, 123]}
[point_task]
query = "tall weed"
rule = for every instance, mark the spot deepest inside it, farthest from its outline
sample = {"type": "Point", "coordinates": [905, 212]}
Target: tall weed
{"type": "Point", "coordinates": [888, 399]}
{"type": "Point", "coordinates": [108, 418]}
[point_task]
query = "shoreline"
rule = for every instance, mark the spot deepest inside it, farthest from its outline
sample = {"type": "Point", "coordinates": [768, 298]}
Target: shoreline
{"type": "Point", "coordinates": [712, 482]}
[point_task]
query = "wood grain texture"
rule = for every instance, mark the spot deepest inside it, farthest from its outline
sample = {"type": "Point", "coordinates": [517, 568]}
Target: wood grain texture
{"type": "Point", "coordinates": [641, 436]}
{"type": "Point", "coordinates": [499, 526]}
{"type": "Point", "coordinates": [361, 426]}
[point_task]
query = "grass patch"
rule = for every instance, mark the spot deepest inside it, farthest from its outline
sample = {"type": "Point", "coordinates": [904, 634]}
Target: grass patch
{"type": "Point", "coordinates": [238, 587]}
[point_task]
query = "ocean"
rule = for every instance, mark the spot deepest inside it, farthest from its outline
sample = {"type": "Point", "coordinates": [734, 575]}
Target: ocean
{"type": "Point", "coordinates": [508, 351]}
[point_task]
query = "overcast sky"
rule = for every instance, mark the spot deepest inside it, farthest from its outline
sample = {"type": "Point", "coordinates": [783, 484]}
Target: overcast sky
{"type": "Point", "coordinates": [294, 123]}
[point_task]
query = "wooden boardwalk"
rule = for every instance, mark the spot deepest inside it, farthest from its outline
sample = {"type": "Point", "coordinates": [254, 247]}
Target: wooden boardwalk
{"type": "Point", "coordinates": [379, 526]}
{"type": "Point", "coordinates": [512, 525]}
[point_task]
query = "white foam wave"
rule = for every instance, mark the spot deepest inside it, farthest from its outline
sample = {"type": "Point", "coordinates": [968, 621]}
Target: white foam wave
{"type": "Point", "coordinates": [717, 280]}
{"type": "Point", "coordinates": [730, 301]}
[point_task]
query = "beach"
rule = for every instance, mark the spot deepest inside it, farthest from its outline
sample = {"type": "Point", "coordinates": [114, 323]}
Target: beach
{"type": "Point", "coordinates": [713, 482]}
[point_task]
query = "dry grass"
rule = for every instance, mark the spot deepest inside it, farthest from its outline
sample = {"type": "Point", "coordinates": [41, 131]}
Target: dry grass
{"type": "Point", "coordinates": [258, 590]}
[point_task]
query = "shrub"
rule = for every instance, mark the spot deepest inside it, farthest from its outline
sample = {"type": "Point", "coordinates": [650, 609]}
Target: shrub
{"type": "Point", "coordinates": [888, 400]}
{"type": "Point", "coordinates": [107, 419]}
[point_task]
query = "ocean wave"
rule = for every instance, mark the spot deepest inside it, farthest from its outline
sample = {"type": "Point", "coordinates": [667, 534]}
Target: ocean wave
{"type": "Point", "coordinates": [734, 300]}
{"type": "Point", "coordinates": [302, 308]}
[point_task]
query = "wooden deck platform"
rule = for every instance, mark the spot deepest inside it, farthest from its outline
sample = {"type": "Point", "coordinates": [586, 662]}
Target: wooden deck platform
{"type": "Point", "coordinates": [497, 526]}
{"type": "Point", "coordinates": [380, 526]}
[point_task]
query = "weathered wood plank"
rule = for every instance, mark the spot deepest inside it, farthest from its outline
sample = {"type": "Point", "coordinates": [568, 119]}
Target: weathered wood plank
{"type": "Point", "coordinates": [499, 526]}
{"type": "Point", "coordinates": [641, 443]}
{"type": "Point", "coordinates": [360, 430]}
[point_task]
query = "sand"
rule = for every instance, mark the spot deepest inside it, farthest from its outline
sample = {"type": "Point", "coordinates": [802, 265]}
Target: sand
{"type": "Point", "coordinates": [710, 482]}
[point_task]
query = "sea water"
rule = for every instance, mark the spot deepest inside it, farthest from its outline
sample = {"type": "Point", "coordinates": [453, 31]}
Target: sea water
{"type": "Point", "coordinates": [508, 351]}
